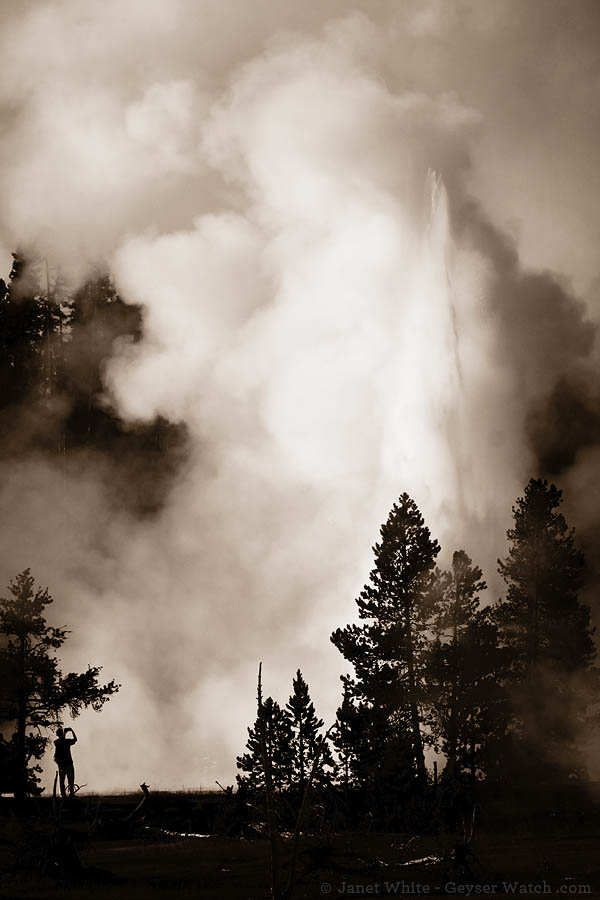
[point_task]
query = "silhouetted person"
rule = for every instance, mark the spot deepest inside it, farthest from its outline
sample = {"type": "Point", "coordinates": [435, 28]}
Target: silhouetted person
{"type": "Point", "coordinates": [64, 760]}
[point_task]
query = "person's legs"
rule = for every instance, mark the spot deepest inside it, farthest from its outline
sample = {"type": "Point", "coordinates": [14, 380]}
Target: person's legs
{"type": "Point", "coordinates": [71, 780]}
{"type": "Point", "coordinates": [61, 777]}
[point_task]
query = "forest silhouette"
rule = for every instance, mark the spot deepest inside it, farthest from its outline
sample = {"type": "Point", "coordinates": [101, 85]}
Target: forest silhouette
{"type": "Point", "coordinates": [503, 691]}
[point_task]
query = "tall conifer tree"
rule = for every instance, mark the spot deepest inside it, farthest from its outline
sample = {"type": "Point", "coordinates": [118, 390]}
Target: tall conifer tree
{"type": "Point", "coordinates": [388, 651]}
{"type": "Point", "coordinates": [463, 671]}
{"type": "Point", "coordinates": [305, 730]}
{"type": "Point", "coordinates": [545, 630]}
{"type": "Point", "coordinates": [278, 739]}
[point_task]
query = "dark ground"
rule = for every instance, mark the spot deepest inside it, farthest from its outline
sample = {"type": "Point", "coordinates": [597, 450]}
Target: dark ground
{"type": "Point", "coordinates": [549, 851]}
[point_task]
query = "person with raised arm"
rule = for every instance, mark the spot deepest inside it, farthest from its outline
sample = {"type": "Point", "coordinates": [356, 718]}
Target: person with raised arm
{"type": "Point", "coordinates": [64, 760]}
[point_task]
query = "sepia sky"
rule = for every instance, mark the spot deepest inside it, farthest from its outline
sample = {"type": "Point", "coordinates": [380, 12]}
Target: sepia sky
{"type": "Point", "coordinates": [364, 239]}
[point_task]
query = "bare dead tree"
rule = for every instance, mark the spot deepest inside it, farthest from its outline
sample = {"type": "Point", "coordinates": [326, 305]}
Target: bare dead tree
{"type": "Point", "coordinates": [269, 795]}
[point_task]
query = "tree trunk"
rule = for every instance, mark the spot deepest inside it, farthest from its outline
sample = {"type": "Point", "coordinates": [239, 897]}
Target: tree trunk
{"type": "Point", "coordinates": [20, 764]}
{"type": "Point", "coordinates": [301, 751]}
{"type": "Point", "coordinates": [452, 724]}
{"type": "Point", "coordinates": [413, 706]}
{"type": "Point", "coordinates": [269, 795]}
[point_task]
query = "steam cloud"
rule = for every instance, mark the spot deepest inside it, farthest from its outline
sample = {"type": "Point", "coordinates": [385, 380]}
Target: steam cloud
{"type": "Point", "coordinates": [326, 307]}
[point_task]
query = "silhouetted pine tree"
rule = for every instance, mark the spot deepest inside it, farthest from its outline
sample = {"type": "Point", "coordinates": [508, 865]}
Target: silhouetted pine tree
{"type": "Point", "coordinates": [545, 630]}
{"type": "Point", "coordinates": [465, 673]}
{"type": "Point", "coordinates": [376, 766]}
{"type": "Point", "coordinates": [458, 665]}
{"type": "Point", "coordinates": [147, 453]}
{"type": "Point", "coordinates": [344, 738]}
{"type": "Point", "coordinates": [98, 317]}
{"type": "Point", "coordinates": [388, 652]}
{"type": "Point", "coordinates": [278, 740]}
{"type": "Point", "coordinates": [305, 736]}
{"type": "Point", "coordinates": [54, 346]}
{"type": "Point", "coordinates": [483, 705]}
{"type": "Point", "coordinates": [30, 335]}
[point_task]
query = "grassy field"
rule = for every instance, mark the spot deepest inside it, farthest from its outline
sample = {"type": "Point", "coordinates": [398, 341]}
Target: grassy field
{"type": "Point", "coordinates": [146, 862]}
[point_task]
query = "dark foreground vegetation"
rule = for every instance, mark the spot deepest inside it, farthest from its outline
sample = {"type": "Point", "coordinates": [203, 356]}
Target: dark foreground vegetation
{"type": "Point", "coordinates": [525, 842]}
